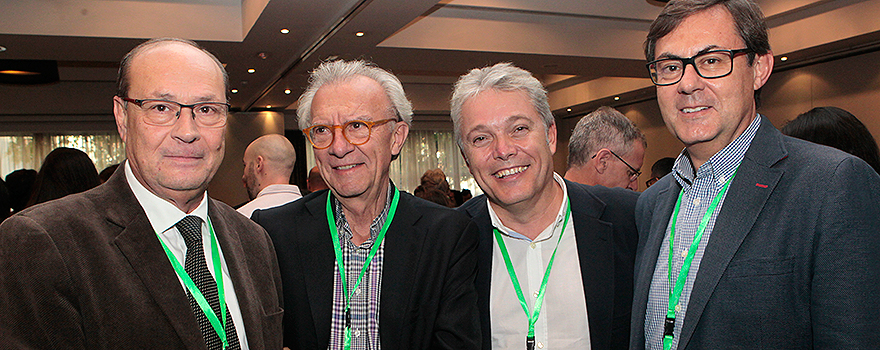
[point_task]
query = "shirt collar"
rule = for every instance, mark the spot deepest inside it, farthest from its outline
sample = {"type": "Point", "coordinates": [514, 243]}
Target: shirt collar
{"type": "Point", "coordinates": [278, 188]}
{"type": "Point", "coordinates": [162, 214]}
{"type": "Point", "coordinates": [548, 231]}
{"type": "Point", "coordinates": [720, 166]}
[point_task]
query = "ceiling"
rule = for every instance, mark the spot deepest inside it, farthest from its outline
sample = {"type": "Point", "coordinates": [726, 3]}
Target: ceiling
{"type": "Point", "coordinates": [586, 52]}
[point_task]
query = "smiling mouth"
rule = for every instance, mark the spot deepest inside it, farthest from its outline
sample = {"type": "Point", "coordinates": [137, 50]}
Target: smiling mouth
{"type": "Point", "coordinates": [694, 109]}
{"type": "Point", "coordinates": [509, 172]}
{"type": "Point", "coordinates": [345, 167]}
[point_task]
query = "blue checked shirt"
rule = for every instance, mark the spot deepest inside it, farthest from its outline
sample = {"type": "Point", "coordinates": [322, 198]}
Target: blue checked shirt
{"type": "Point", "coordinates": [699, 191]}
{"type": "Point", "coordinates": [365, 299]}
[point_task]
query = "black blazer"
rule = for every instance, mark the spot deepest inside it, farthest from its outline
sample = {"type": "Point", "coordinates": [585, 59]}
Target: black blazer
{"type": "Point", "coordinates": [793, 261]}
{"type": "Point", "coordinates": [427, 299]}
{"type": "Point", "coordinates": [606, 238]}
{"type": "Point", "coordinates": [87, 272]}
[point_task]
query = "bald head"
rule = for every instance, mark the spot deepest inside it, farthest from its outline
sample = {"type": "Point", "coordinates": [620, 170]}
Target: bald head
{"type": "Point", "coordinates": [267, 161]}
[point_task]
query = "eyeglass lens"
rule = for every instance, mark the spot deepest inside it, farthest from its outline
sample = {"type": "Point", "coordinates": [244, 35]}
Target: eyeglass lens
{"type": "Point", "coordinates": [712, 64]}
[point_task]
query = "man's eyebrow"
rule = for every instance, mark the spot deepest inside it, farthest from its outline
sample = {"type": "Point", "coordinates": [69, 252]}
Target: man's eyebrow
{"type": "Point", "coordinates": [667, 55]}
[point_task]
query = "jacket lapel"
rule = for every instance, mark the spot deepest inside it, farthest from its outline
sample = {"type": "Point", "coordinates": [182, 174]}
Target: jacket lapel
{"type": "Point", "coordinates": [404, 244]}
{"type": "Point", "coordinates": [139, 244]}
{"type": "Point", "coordinates": [318, 262]}
{"type": "Point", "coordinates": [748, 193]}
{"type": "Point", "coordinates": [596, 257]}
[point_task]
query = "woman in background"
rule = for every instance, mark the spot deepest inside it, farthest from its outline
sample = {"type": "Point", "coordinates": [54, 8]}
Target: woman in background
{"type": "Point", "coordinates": [65, 171]}
{"type": "Point", "coordinates": [835, 127]}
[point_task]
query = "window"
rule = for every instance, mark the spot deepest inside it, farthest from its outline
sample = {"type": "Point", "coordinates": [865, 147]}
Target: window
{"type": "Point", "coordinates": [28, 151]}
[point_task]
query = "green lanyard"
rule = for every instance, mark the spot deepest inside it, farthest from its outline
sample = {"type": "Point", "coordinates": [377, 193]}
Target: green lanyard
{"type": "Point", "coordinates": [331, 220]}
{"type": "Point", "coordinates": [675, 293]}
{"type": "Point", "coordinates": [196, 293]}
{"type": "Point", "coordinates": [533, 317]}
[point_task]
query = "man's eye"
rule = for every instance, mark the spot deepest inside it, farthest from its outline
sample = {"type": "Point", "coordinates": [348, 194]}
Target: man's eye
{"type": "Point", "coordinates": [356, 125]}
{"type": "Point", "coordinates": [480, 140]}
{"type": "Point", "coordinates": [320, 129]}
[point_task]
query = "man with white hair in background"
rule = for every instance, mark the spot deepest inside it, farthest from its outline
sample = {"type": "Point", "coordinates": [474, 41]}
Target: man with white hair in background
{"type": "Point", "coordinates": [606, 149]}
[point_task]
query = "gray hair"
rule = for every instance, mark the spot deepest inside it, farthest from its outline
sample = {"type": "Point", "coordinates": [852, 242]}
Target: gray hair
{"type": "Point", "coordinates": [503, 77]}
{"type": "Point", "coordinates": [122, 78]}
{"type": "Point", "coordinates": [603, 128]}
{"type": "Point", "coordinates": [338, 71]}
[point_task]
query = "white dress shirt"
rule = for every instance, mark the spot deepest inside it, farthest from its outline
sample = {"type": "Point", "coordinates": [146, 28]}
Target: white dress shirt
{"type": "Point", "coordinates": [163, 216]}
{"type": "Point", "coordinates": [562, 323]}
{"type": "Point", "coordinates": [270, 197]}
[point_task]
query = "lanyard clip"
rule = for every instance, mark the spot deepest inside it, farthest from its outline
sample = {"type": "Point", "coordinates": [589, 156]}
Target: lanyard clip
{"type": "Point", "coordinates": [530, 343]}
{"type": "Point", "coordinates": [669, 326]}
{"type": "Point", "coordinates": [348, 318]}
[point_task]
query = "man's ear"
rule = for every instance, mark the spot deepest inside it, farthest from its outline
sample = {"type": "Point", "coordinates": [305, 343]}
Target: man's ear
{"type": "Point", "coordinates": [258, 164]}
{"type": "Point", "coordinates": [401, 130]}
{"type": "Point", "coordinates": [551, 138]}
{"type": "Point", "coordinates": [121, 116]}
{"type": "Point", "coordinates": [762, 66]}
{"type": "Point", "coordinates": [600, 161]}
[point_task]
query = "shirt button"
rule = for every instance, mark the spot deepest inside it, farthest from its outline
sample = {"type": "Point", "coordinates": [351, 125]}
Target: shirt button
{"type": "Point", "coordinates": [722, 180]}
{"type": "Point", "coordinates": [696, 201]}
{"type": "Point", "coordinates": [357, 332]}
{"type": "Point", "coordinates": [684, 253]}
{"type": "Point", "coordinates": [535, 294]}
{"type": "Point", "coordinates": [532, 245]}
{"type": "Point", "coordinates": [677, 308]}
{"type": "Point", "coordinates": [357, 291]}
{"type": "Point", "coordinates": [540, 345]}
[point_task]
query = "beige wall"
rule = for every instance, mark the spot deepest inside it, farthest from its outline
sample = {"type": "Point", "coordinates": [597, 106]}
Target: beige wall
{"type": "Point", "coordinates": [241, 130]}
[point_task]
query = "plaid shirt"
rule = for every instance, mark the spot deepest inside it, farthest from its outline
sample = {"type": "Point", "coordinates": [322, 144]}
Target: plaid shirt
{"type": "Point", "coordinates": [699, 190]}
{"type": "Point", "coordinates": [365, 298]}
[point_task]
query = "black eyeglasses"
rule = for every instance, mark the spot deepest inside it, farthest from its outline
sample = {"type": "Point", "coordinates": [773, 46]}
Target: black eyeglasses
{"type": "Point", "coordinates": [710, 65]}
{"type": "Point", "coordinates": [634, 174]}
{"type": "Point", "coordinates": [356, 132]}
{"type": "Point", "coordinates": [161, 112]}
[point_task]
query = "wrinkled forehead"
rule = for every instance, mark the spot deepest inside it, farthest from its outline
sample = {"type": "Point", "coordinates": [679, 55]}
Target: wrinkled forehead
{"type": "Point", "coordinates": [359, 98]}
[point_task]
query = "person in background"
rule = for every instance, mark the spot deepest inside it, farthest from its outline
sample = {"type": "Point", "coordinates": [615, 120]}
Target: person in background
{"type": "Point", "coordinates": [315, 182]}
{"type": "Point", "coordinates": [147, 260]}
{"type": "Point", "coordinates": [21, 184]}
{"type": "Point", "coordinates": [606, 149]}
{"type": "Point", "coordinates": [105, 174]}
{"type": "Point", "coordinates": [436, 179]}
{"type": "Point", "coordinates": [5, 201]}
{"type": "Point", "coordinates": [366, 264]}
{"type": "Point", "coordinates": [433, 194]}
{"type": "Point", "coordinates": [660, 168]}
{"type": "Point", "coordinates": [65, 171]}
{"type": "Point", "coordinates": [758, 240]}
{"type": "Point", "coordinates": [268, 163]}
{"type": "Point", "coordinates": [835, 127]}
{"type": "Point", "coordinates": [531, 220]}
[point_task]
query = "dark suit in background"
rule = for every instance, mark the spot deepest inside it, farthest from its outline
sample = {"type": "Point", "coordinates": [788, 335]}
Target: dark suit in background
{"type": "Point", "coordinates": [793, 261]}
{"type": "Point", "coordinates": [606, 239]}
{"type": "Point", "coordinates": [427, 295]}
{"type": "Point", "coordinates": [88, 272]}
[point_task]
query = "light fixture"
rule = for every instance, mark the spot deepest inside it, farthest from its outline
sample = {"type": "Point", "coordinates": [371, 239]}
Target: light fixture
{"type": "Point", "coordinates": [28, 71]}
{"type": "Point", "coordinates": [251, 70]}
{"type": "Point", "coordinates": [268, 106]}
{"type": "Point", "coordinates": [359, 34]}
{"type": "Point", "coordinates": [617, 98]}
{"type": "Point", "coordinates": [285, 31]}
{"type": "Point", "coordinates": [568, 110]}
{"type": "Point", "coordinates": [2, 48]}
{"type": "Point", "coordinates": [287, 91]}
{"type": "Point", "coordinates": [234, 91]}
{"type": "Point", "coordinates": [783, 58]}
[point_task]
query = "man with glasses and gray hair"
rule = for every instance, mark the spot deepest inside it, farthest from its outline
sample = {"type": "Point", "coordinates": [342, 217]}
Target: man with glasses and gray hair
{"type": "Point", "coordinates": [757, 240]}
{"type": "Point", "coordinates": [365, 265]}
{"type": "Point", "coordinates": [146, 260]}
{"type": "Point", "coordinates": [555, 257]}
{"type": "Point", "coordinates": [606, 149]}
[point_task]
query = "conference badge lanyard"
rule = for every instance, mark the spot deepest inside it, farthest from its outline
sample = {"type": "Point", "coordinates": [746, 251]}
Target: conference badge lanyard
{"type": "Point", "coordinates": [675, 293]}
{"type": "Point", "coordinates": [533, 317]}
{"type": "Point", "coordinates": [331, 221]}
{"type": "Point", "coordinates": [219, 327]}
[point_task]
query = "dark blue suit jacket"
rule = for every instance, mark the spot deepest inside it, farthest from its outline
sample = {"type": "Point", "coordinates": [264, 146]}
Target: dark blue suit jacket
{"type": "Point", "coordinates": [606, 239]}
{"type": "Point", "coordinates": [427, 299]}
{"type": "Point", "coordinates": [793, 261]}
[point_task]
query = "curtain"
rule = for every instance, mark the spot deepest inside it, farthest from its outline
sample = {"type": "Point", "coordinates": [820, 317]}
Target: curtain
{"type": "Point", "coordinates": [28, 151]}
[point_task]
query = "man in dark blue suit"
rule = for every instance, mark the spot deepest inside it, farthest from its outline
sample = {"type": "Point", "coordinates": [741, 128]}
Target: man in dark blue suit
{"type": "Point", "coordinates": [755, 240]}
{"type": "Point", "coordinates": [555, 257]}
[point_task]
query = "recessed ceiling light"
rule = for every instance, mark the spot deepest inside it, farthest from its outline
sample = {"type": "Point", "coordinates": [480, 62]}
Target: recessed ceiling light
{"type": "Point", "coordinates": [359, 34]}
{"type": "Point", "coordinates": [234, 91]}
{"type": "Point", "coordinates": [251, 70]}
{"type": "Point", "coordinates": [617, 98]}
{"type": "Point", "coordinates": [287, 92]}
{"type": "Point", "coordinates": [268, 106]}
{"type": "Point", "coordinates": [2, 48]}
{"type": "Point", "coordinates": [285, 31]}
{"type": "Point", "coordinates": [783, 58]}
{"type": "Point", "coordinates": [568, 110]}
